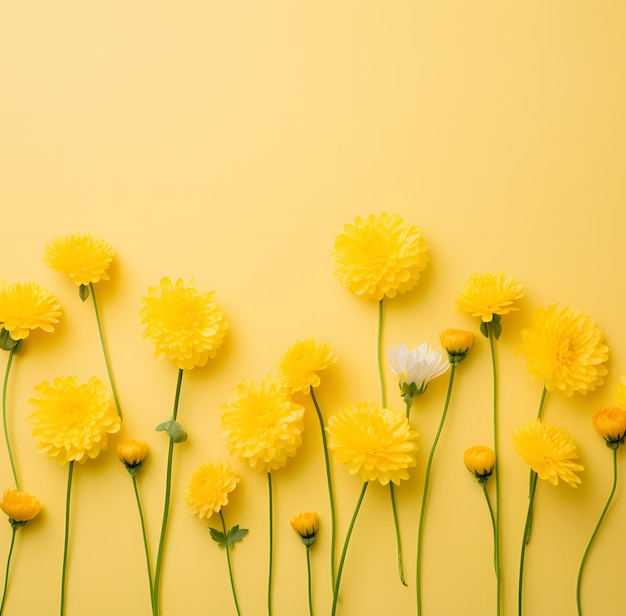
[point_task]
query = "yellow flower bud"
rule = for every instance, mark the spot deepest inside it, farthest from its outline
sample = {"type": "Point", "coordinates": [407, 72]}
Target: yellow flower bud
{"type": "Point", "coordinates": [480, 461]}
{"type": "Point", "coordinates": [457, 343]}
{"type": "Point", "coordinates": [610, 424]}
{"type": "Point", "coordinates": [306, 524]}
{"type": "Point", "coordinates": [132, 454]}
{"type": "Point", "coordinates": [20, 506]}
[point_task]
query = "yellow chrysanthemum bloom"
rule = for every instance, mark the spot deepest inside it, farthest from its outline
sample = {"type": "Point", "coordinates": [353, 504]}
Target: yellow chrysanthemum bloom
{"type": "Point", "coordinates": [306, 524]}
{"type": "Point", "coordinates": [620, 394]}
{"type": "Point", "coordinates": [299, 366]}
{"type": "Point", "coordinates": [480, 461]}
{"type": "Point", "coordinates": [380, 256]}
{"type": "Point", "coordinates": [25, 306]}
{"type": "Point", "coordinates": [72, 422]}
{"type": "Point", "coordinates": [132, 454]}
{"type": "Point", "coordinates": [20, 506]}
{"type": "Point", "coordinates": [183, 324]}
{"type": "Point", "coordinates": [610, 424]}
{"type": "Point", "coordinates": [457, 343]}
{"type": "Point", "coordinates": [564, 348]}
{"type": "Point", "coordinates": [84, 258]}
{"type": "Point", "coordinates": [262, 425]}
{"type": "Point", "coordinates": [376, 443]}
{"type": "Point", "coordinates": [484, 295]}
{"type": "Point", "coordinates": [209, 487]}
{"type": "Point", "coordinates": [549, 451]}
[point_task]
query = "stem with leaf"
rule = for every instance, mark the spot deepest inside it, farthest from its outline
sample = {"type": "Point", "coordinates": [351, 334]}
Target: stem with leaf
{"type": "Point", "coordinates": [229, 539]}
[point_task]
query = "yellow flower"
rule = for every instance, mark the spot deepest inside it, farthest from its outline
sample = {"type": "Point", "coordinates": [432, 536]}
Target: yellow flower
{"type": "Point", "coordinates": [549, 451]}
{"type": "Point", "coordinates": [564, 348]}
{"type": "Point", "coordinates": [82, 257]}
{"type": "Point", "coordinates": [376, 443]}
{"type": "Point", "coordinates": [306, 524]}
{"type": "Point", "coordinates": [457, 343]}
{"type": "Point", "coordinates": [132, 454]}
{"type": "Point", "coordinates": [620, 394]}
{"type": "Point", "coordinates": [480, 461]}
{"type": "Point", "coordinates": [72, 421]}
{"type": "Point", "coordinates": [300, 364]}
{"type": "Point", "coordinates": [380, 256]}
{"type": "Point", "coordinates": [262, 425]}
{"type": "Point", "coordinates": [610, 424]}
{"type": "Point", "coordinates": [25, 306]}
{"type": "Point", "coordinates": [184, 325]}
{"type": "Point", "coordinates": [209, 487]}
{"type": "Point", "coordinates": [489, 294]}
{"type": "Point", "coordinates": [20, 506]}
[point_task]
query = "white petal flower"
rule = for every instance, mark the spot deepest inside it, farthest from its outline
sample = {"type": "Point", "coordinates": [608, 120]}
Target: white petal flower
{"type": "Point", "coordinates": [416, 367]}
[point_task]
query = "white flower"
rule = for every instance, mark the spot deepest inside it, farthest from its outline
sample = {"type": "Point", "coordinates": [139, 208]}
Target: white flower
{"type": "Point", "coordinates": [416, 367]}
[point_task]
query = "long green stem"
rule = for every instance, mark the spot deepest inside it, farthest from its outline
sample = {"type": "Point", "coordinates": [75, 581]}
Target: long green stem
{"type": "Point", "coordinates": [418, 569]}
{"type": "Point", "coordinates": [308, 577]}
{"type": "Point", "coordinates": [104, 350]}
{"type": "Point", "coordinates": [496, 448]}
{"type": "Point", "coordinates": [271, 520]}
{"type": "Point", "coordinates": [397, 528]}
{"type": "Point", "coordinates": [331, 496]}
{"type": "Point", "coordinates": [529, 516]}
{"type": "Point", "coordinates": [381, 376]}
{"type": "Point", "coordinates": [145, 540]}
{"type": "Point", "coordinates": [6, 575]}
{"type": "Point", "coordinates": [166, 505]}
{"type": "Point", "coordinates": [345, 548]}
{"type": "Point", "coordinates": [542, 402]}
{"type": "Point", "coordinates": [67, 534]}
{"type": "Point", "coordinates": [4, 417]}
{"type": "Point", "coordinates": [595, 532]}
{"type": "Point", "coordinates": [493, 526]}
{"type": "Point", "coordinates": [230, 569]}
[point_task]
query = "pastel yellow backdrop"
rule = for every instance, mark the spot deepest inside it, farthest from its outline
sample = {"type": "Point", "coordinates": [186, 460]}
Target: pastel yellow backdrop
{"type": "Point", "coordinates": [229, 142]}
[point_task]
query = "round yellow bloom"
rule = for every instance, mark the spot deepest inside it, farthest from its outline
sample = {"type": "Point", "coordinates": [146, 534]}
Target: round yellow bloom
{"type": "Point", "coordinates": [72, 422]}
{"type": "Point", "coordinates": [306, 524]}
{"type": "Point", "coordinates": [380, 256]}
{"type": "Point", "coordinates": [262, 425]}
{"type": "Point", "coordinates": [484, 295]}
{"type": "Point", "coordinates": [132, 454]}
{"type": "Point", "coordinates": [376, 443]}
{"type": "Point", "coordinates": [610, 424]}
{"type": "Point", "coordinates": [84, 258]}
{"type": "Point", "coordinates": [480, 461]}
{"type": "Point", "coordinates": [620, 394]}
{"type": "Point", "coordinates": [564, 348]}
{"type": "Point", "coordinates": [299, 366]}
{"type": "Point", "coordinates": [183, 324]}
{"type": "Point", "coordinates": [20, 506]}
{"type": "Point", "coordinates": [209, 487]}
{"type": "Point", "coordinates": [549, 451]}
{"type": "Point", "coordinates": [457, 343]}
{"type": "Point", "coordinates": [25, 306]}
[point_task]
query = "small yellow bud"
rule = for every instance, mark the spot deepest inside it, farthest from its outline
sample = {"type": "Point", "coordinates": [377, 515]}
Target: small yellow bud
{"type": "Point", "coordinates": [132, 454]}
{"type": "Point", "coordinates": [20, 506]}
{"type": "Point", "coordinates": [457, 343]}
{"type": "Point", "coordinates": [306, 524]}
{"type": "Point", "coordinates": [480, 461]}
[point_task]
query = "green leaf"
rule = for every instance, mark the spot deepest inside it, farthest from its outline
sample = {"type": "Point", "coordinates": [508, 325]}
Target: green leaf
{"type": "Point", "coordinates": [83, 292]}
{"type": "Point", "coordinates": [236, 534]}
{"type": "Point", "coordinates": [483, 329]}
{"type": "Point", "coordinates": [174, 430]}
{"type": "Point", "coordinates": [6, 342]}
{"type": "Point", "coordinates": [218, 537]}
{"type": "Point", "coordinates": [496, 326]}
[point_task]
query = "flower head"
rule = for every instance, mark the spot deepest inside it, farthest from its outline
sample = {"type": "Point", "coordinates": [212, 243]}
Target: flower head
{"type": "Point", "coordinates": [183, 324]}
{"type": "Point", "coordinates": [208, 488]}
{"type": "Point", "coordinates": [300, 364]}
{"type": "Point", "coordinates": [416, 367]}
{"type": "Point", "coordinates": [380, 256]}
{"type": "Point", "coordinates": [82, 257]}
{"type": "Point", "coordinates": [610, 424]}
{"type": "Point", "coordinates": [489, 294]}
{"type": "Point", "coordinates": [24, 306]}
{"type": "Point", "coordinates": [20, 507]}
{"type": "Point", "coordinates": [72, 422]}
{"type": "Point", "coordinates": [376, 443]}
{"type": "Point", "coordinates": [263, 427]}
{"type": "Point", "coordinates": [306, 524]}
{"type": "Point", "coordinates": [549, 451]}
{"type": "Point", "coordinates": [132, 454]}
{"type": "Point", "coordinates": [457, 343]}
{"type": "Point", "coordinates": [564, 348]}
{"type": "Point", "coordinates": [480, 461]}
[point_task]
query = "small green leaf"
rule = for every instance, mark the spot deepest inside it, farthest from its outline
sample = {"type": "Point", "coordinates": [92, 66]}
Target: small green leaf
{"type": "Point", "coordinates": [496, 326]}
{"type": "Point", "coordinates": [218, 537]}
{"type": "Point", "coordinates": [83, 292]}
{"type": "Point", "coordinates": [483, 329]}
{"type": "Point", "coordinates": [174, 430]}
{"type": "Point", "coordinates": [236, 534]}
{"type": "Point", "coordinates": [6, 342]}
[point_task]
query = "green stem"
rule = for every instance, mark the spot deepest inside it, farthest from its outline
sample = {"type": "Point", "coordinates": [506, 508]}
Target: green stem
{"type": "Point", "coordinates": [595, 532]}
{"type": "Point", "coordinates": [493, 527]}
{"type": "Point", "coordinates": [408, 401]}
{"type": "Point", "coordinates": [418, 570]}
{"type": "Point", "coordinates": [271, 517]}
{"type": "Point", "coordinates": [230, 570]}
{"type": "Point", "coordinates": [166, 504]}
{"type": "Point", "coordinates": [345, 548]}
{"type": "Point", "coordinates": [4, 416]}
{"type": "Point", "coordinates": [104, 350]}
{"type": "Point", "coordinates": [497, 473]}
{"type": "Point", "coordinates": [381, 376]}
{"type": "Point", "coordinates": [145, 539]}
{"type": "Point", "coordinates": [529, 516]}
{"type": "Point", "coordinates": [397, 527]}
{"type": "Point", "coordinates": [331, 497]}
{"type": "Point", "coordinates": [542, 401]}
{"type": "Point", "coordinates": [67, 534]}
{"type": "Point", "coordinates": [308, 574]}
{"type": "Point", "coordinates": [6, 575]}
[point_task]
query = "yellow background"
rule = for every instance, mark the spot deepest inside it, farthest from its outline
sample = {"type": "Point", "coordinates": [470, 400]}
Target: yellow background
{"type": "Point", "coordinates": [229, 142]}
